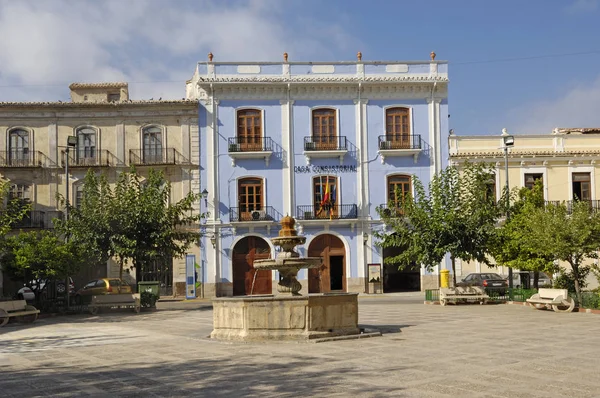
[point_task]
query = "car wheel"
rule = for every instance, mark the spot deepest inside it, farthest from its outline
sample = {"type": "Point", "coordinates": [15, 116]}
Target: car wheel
{"type": "Point", "coordinates": [60, 288]}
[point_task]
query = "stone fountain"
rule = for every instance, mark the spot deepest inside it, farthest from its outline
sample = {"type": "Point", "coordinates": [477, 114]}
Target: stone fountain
{"type": "Point", "coordinates": [288, 261]}
{"type": "Point", "coordinates": [287, 315]}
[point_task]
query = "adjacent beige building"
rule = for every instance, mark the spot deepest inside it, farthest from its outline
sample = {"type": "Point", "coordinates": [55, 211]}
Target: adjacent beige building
{"type": "Point", "coordinates": [567, 160]}
{"type": "Point", "coordinates": [112, 133]}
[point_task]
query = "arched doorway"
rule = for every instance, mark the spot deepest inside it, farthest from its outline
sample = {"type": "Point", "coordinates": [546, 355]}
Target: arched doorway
{"type": "Point", "coordinates": [331, 275]}
{"type": "Point", "coordinates": [395, 280]}
{"type": "Point", "coordinates": [244, 253]}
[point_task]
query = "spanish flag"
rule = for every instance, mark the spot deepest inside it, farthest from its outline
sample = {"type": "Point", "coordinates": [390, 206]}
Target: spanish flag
{"type": "Point", "coordinates": [325, 198]}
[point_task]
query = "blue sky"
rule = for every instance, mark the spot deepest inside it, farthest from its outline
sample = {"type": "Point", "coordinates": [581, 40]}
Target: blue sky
{"type": "Point", "coordinates": [154, 45]}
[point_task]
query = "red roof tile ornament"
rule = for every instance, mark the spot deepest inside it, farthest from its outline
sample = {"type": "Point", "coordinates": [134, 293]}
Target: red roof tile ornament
{"type": "Point", "coordinates": [210, 57]}
{"type": "Point", "coordinates": [359, 56]}
{"type": "Point", "coordinates": [285, 57]}
{"type": "Point", "coordinates": [432, 55]}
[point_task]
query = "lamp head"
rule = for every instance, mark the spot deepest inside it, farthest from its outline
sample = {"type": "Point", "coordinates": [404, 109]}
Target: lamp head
{"type": "Point", "coordinates": [213, 241]}
{"type": "Point", "coordinates": [509, 140]}
{"type": "Point", "coordinates": [71, 141]}
{"type": "Point", "coordinates": [365, 238]}
{"type": "Point", "coordinates": [204, 193]}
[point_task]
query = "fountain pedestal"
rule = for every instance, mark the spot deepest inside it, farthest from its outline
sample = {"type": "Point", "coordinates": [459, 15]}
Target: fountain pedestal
{"type": "Point", "coordinates": [288, 315]}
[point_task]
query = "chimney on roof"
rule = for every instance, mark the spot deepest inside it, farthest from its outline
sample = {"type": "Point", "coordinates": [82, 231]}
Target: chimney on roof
{"type": "Point", "coordinates": [99, 92]}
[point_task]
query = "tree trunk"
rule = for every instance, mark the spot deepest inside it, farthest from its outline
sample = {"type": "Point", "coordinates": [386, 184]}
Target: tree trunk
{"type": "Point", "coordinates": [536, 279]}
{"type": "Point", "coordinates": [575, 268]}
{"type": "Point", "coordinates": [120, 273]}
{"type": "Point", "coordinates": [453, 260]}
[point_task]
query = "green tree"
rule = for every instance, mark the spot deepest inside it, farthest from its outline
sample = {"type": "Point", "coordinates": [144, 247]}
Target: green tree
{"type": "Point", "coordinates": [511, 245]}
{"type": "Point", "coordinates": [40, 255]}
{"type": "Point", "coordinates": [134, 222]}
{"type": "Point", "coordinates": [569, 236]}
{"type": "Point", "coordinates": [12, 210]}
{"type": "Point", "coordinates": [456, 215]}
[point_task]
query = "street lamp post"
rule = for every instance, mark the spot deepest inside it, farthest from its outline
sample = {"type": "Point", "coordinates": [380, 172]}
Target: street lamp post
{"type": "Point", "coordinates": [508, 141]}
{"type": "Point", "coordinates": [71, 142]}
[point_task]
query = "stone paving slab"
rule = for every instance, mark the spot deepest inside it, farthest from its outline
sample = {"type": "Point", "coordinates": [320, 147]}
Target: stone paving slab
{"type": "Point", "coordinates": [425, 351]}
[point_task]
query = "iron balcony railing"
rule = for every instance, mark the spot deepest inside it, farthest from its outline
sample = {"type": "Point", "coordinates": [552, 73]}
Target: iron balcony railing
{"type": "Point", "coordinates": [51, 216]}
{"type": "Point", "coordinates": [249, 144]}
{"type": "Point", "coordinates": [593, 204]}
{"type": "Point", "coordinates": [22, 158]}
{"type": "Point", "coordinates": [90, 158]}
{"type": "Point", "coordinates": [327, 212]}
{"type": "Point", "coordinates": [326, 143]}
{"type": "Point", "coordinates": [32, 219]}
{"type": "Point", "coordinates": [252, 213]}
{"type": "Point", "coordinates": [399, 141]}
{"type": "Point", "coordinates": [154, 156]}
{"type": "Point", "coordinates": [390, 211]}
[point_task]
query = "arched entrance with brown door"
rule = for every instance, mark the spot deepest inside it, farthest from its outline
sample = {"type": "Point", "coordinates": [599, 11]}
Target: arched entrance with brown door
{"type": "Point", "coordinates": [331, 275]}
{"type": "Point", "coordinates": [407, 279]}
{"type": "Point", "coordinates": [245, 251]}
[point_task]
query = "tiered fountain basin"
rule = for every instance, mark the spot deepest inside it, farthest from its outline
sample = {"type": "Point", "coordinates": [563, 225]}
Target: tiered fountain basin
{"type": "Point", "coordinates": [287, 315]}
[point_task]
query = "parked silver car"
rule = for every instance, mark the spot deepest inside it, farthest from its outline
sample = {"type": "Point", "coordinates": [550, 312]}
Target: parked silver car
{"type": "Point", "coordinates": [524, 279]}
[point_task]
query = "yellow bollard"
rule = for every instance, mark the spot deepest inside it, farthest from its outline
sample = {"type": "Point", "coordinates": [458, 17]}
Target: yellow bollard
{"type": "Point", "coordinates": [444, 278]}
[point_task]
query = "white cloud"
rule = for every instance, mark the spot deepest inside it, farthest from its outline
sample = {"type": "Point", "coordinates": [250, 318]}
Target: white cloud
{"type": "Point", "coordinates": [51, 44]}
{"type": "Point", "coordinates": [578, 107]}
{"type": "Point", "coordinates": [582, 6]}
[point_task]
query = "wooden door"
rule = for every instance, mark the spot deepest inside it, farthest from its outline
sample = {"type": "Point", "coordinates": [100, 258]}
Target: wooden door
{"type": "Point", "coordinates": [250, 195]}
{"type": "Point", "coordinates": [244, 275]}
{"type": "Point", "coordinates": [250, 130]}
{"type": "Point", "coordinates": [320, 279]}
{"type": "Point", "coordinates": [324, 129]}
{"type": "Point", "coordinates": [397, 127]}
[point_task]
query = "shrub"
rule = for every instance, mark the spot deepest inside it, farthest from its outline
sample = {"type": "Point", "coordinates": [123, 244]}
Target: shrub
{"type": "Point", "coordinates": [566, 280]}
{"type": "Point", "coordinates": [148, 300]}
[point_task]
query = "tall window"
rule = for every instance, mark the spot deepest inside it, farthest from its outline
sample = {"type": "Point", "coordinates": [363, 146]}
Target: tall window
{"type": "Point", "coordinates": [18, 143]}
{"type": "Point", "coordinates": [250, 197]}
{"type": "Point", "coordinates": [249, 129]}
{"type": "Point", "coordinates": [399, 188]}
{"type": "Point", "coordinates": [397, 127]}
{"type": "Point", "coordinates": [531, 178]}
{"type": "Point", "coordinates": [325, 197]}
{"type": "Point", "coordinates": [78, 195]}
{"type": "Point", "coordinates": [22, 192]}
{"type": "Point", "coordinates": [490, 188]}
{"type": "Point", "coordinates": [86, 144]}
{"type": "Point", "coordinates": [152, 144]}
{"type": "Point", "coordinates": [582, 186]}
{"type": "Point", "coordinates": [324, 125]}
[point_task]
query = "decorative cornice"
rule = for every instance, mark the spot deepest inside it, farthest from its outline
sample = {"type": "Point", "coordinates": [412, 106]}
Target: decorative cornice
{"type": "Point", "coordinates": [115, 104]}
{"type": "Point", "coordinates": [322, 79]}
{"type": "Point", "coordinates": [73, 86]}
{"type": "Point", "coordinates": [514, 154]}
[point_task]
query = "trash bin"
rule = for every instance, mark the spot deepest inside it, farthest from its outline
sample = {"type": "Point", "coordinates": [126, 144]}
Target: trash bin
{"type": "Point", "coordinates": [444, 278]}
{"type": "Point", "coordinates": [149, 286]}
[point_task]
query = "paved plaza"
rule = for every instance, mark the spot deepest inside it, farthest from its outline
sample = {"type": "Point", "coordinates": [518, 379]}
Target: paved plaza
{"type": "Point", "coordinates": [425, 351]}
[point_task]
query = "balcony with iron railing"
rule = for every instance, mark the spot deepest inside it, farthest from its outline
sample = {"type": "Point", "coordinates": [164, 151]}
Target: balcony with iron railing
{"type": "Point", "coordinates": [90, 158]}
{"type": "Point", "coordinates": [385, 210]}
{"type": "Point", "coordinates": [23, 158]}
{"type": "Point", "coordinates": [593, 204]}
{"type": "Point", "coordinates": [327, 212]}
{"type": "Point", "coordinates": [399, 145]}
{"type": "Point", "coordinates": [155, 156]}
{"type": "Point", "coordinates": [250, 148]}
{"type": "Point", "coordinates": [31, 219]}
{"type": "Point", "coordinates": [325, 146]}
{"type": "Point", "coordinates": [253, 214]}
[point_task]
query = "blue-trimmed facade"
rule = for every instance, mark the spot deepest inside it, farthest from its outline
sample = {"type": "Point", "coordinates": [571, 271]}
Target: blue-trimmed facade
{"type": "Point", "coordinates": [274, 136]}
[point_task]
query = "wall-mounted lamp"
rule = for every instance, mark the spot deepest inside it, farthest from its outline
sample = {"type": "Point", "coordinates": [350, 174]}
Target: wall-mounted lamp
{"type": "Point", "coordinates": [204, 194]}
{"type": "Point", "coordinates": [365, 238]}
{"type": "Point", "coordinates": [213, 241]}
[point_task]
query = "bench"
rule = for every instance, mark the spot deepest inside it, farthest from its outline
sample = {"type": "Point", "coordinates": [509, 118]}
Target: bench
{"type": "Point", "coordinates": [455, 294]}
{"type": "Point", "coordinates": [114, 301]}
{"type": "Point", "coordinates": [17, 308]}
{"type": "Point", "coordinates": [557, 299]}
